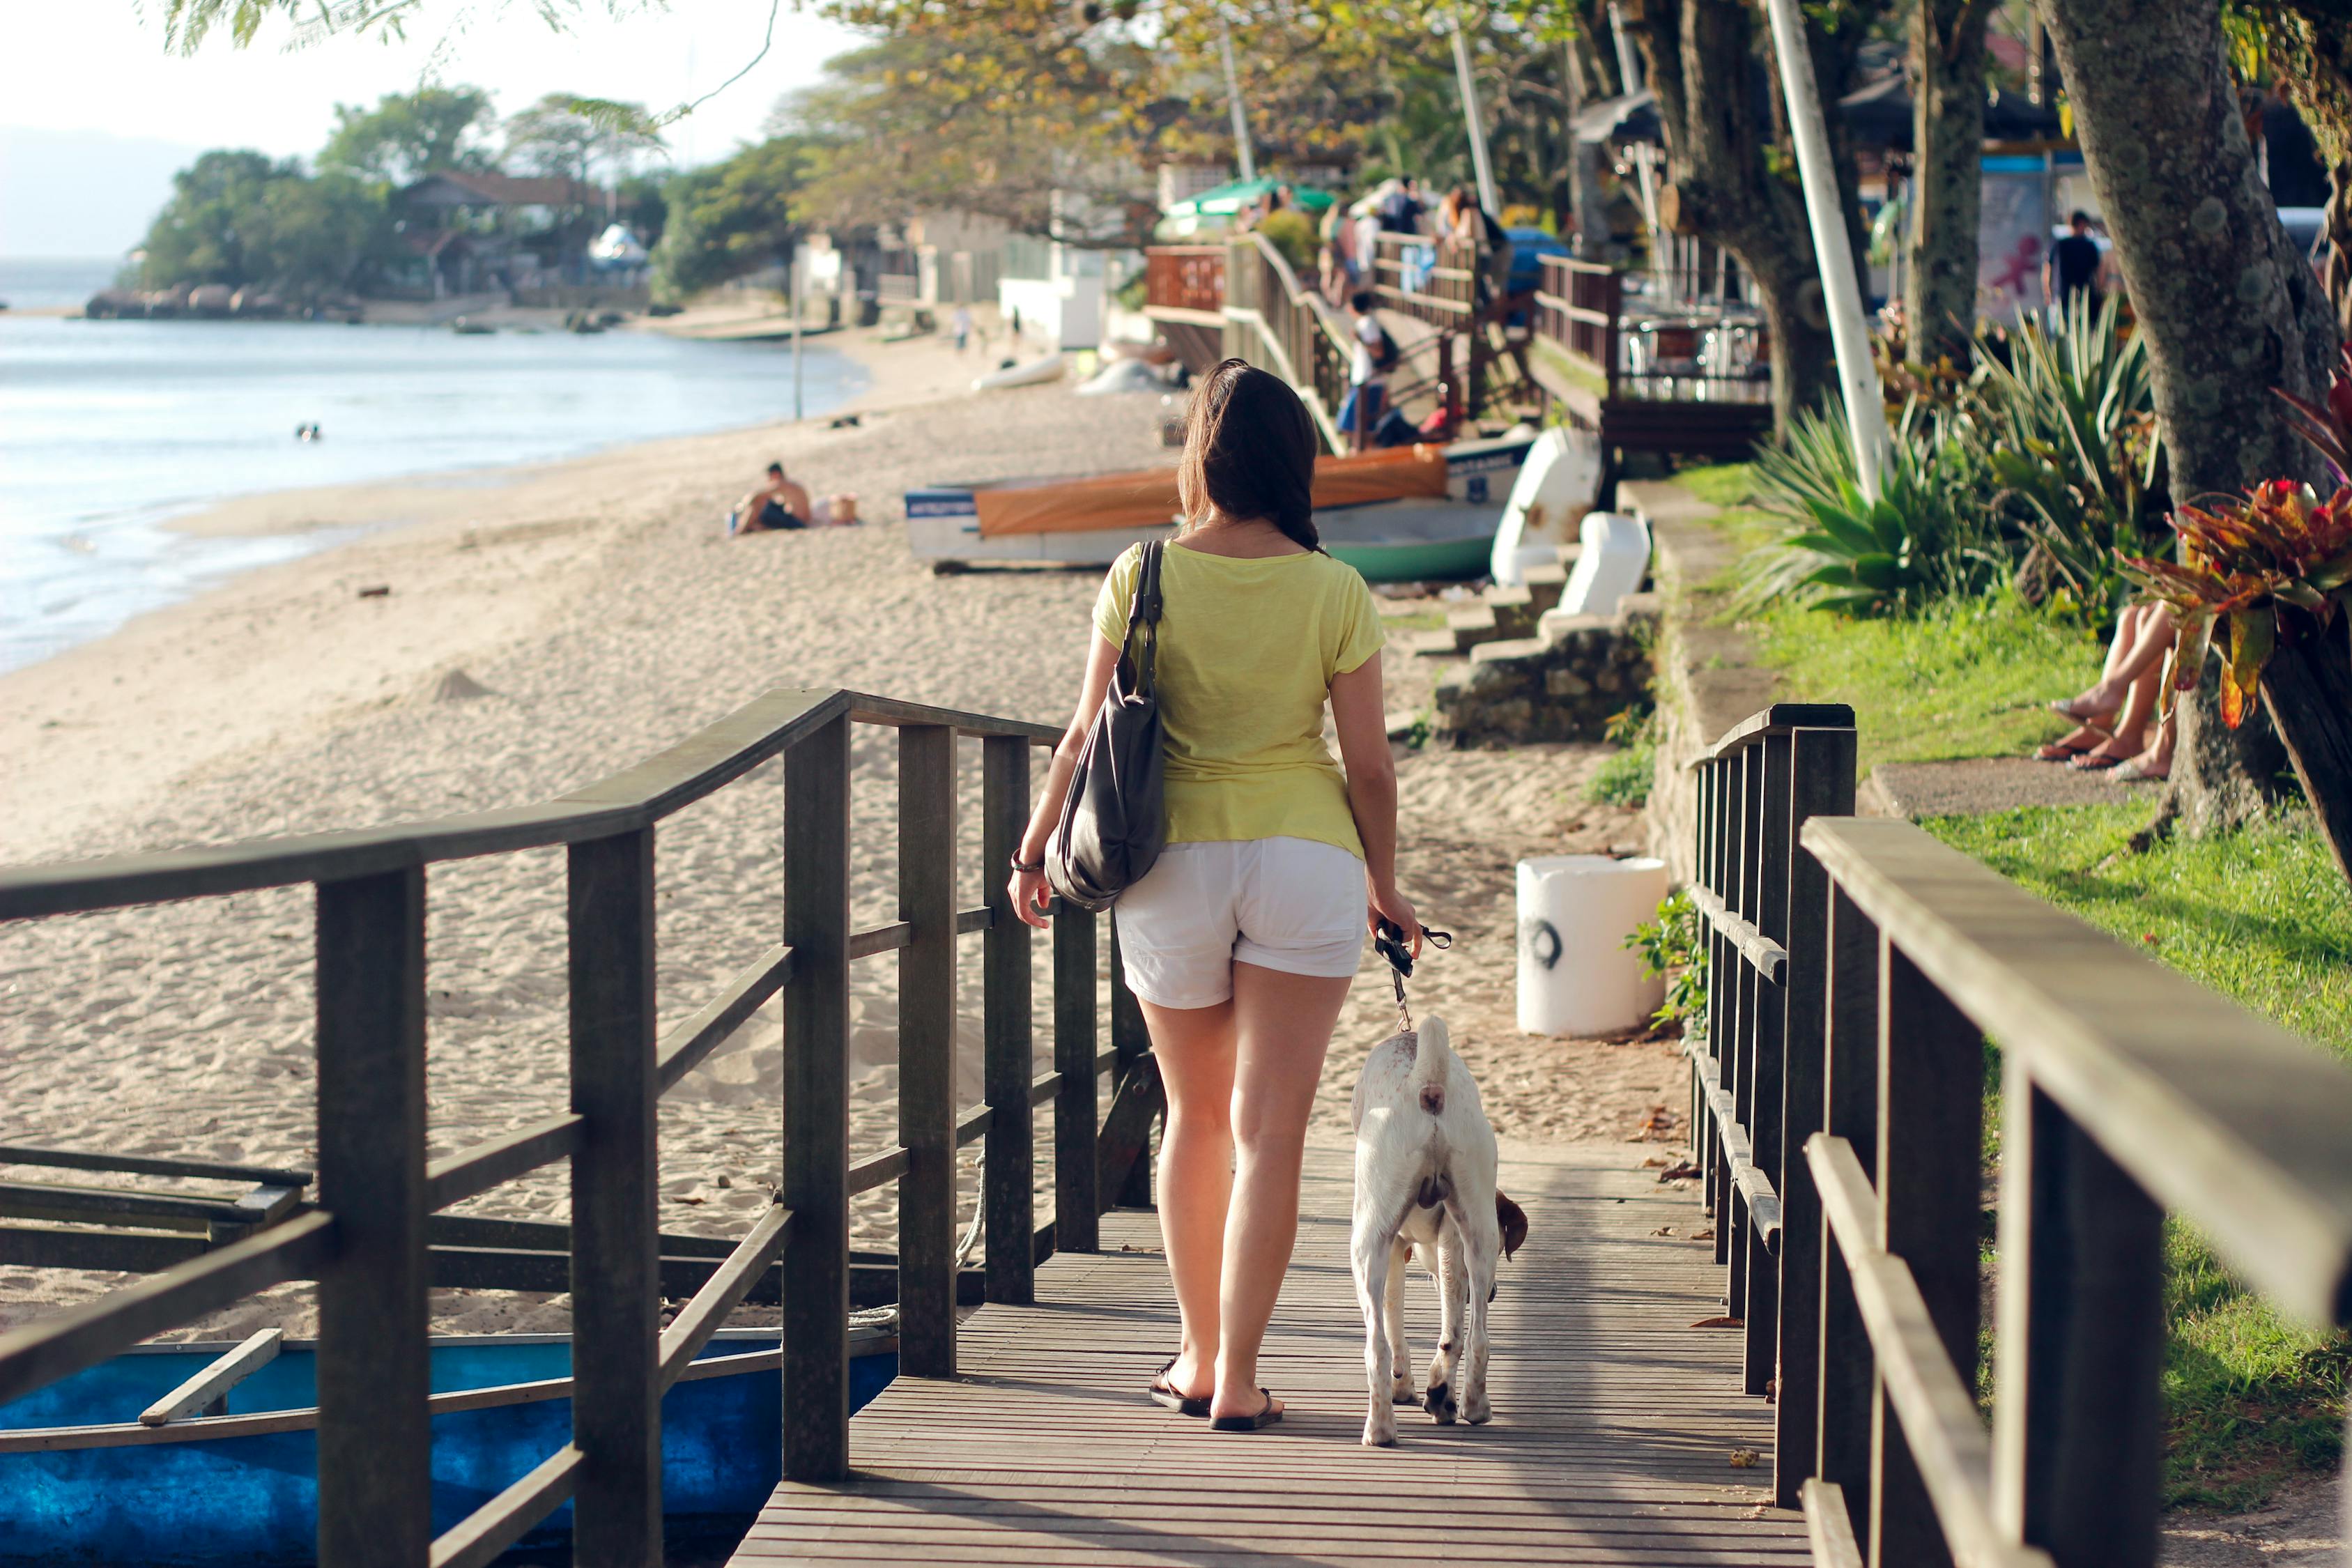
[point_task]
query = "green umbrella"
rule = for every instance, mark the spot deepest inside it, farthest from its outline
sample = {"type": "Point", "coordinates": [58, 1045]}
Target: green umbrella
{"type": "Point", "coordinates": [1225, 200]}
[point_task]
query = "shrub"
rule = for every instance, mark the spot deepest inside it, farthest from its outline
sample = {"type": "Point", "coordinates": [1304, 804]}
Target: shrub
{"type": "Point", "coordinates": [1291, 234]}
{"type": "Point", "coordinates": [1673, 945]}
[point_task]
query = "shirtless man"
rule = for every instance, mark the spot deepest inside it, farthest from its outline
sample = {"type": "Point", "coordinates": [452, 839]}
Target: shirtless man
{"type": "Point", "coordinates": [778, 504]}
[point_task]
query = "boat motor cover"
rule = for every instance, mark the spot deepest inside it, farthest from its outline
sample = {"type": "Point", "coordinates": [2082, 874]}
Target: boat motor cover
{"type": "Point", "coordinates": [1148, 499]}
{"type": "Point", "coordinates": [1115, 818]}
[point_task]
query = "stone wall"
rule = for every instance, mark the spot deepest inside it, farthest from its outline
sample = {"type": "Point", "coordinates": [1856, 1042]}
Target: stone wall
{"type": "Point", "coordinates": [1565, 683]}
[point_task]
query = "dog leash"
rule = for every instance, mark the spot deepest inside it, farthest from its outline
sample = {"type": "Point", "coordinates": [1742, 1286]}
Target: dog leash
{"type": "Point", "coordinates": [1388, 941]}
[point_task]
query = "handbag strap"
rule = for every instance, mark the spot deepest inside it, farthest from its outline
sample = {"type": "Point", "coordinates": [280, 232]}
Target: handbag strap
{"type": "Point", "coordinates": [1144, 611]}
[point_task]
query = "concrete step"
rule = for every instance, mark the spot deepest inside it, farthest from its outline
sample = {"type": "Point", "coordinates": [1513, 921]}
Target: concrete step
{"type": "Point", "coordinates": [1471, 626]}
{"type": "Point", "coordinates": [1430, 645]}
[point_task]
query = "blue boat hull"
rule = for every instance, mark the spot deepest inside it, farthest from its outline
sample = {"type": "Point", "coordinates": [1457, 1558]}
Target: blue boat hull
{"type": "Point", "coordinates": [252, 1501]}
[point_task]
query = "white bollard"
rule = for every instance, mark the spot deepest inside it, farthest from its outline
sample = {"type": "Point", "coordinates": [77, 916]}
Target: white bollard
{"type": "Point", "coordinates": [1576, 977]}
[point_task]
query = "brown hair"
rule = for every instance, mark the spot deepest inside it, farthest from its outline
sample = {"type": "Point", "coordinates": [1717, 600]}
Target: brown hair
{"type": "Point", "coordinates": [1249, 451]}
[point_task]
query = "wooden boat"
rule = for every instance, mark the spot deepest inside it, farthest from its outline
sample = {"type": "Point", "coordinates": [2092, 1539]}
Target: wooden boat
{"type": "Point", "coordinates": [1397, 513]}
{"type": "Point", "coordinates": [83, 1481]}
{"type": "Point", "coordinates": [1035, 372]}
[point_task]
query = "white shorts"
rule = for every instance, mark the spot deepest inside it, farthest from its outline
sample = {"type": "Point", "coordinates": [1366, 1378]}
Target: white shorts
{"type": "Point", "coordinates": [1293, 904]}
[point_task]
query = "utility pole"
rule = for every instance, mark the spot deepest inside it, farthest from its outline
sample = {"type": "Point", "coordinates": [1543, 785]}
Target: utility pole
{"type": "Point", "coordinates": [1865, 407]}
{"type": "Point", "coordinates": [793, 284]}
{"type": "Point", "coordinates": [1234, 102]}
{"type": "Point", "coordinates": [1470, 117]}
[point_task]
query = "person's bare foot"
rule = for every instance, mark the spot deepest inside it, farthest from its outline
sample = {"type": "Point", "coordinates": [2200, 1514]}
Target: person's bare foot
{"type": "Point", "coordinates": [1191, 1377]}
{"type": "Point", "coordinates": [2101, 701]}
{"type": "Point", "coordinates": [1245, 1403]}
{"type": "Point", "coordinates": [2112, 752]}
{"type": "Point", "coordinates": [2082, 737]}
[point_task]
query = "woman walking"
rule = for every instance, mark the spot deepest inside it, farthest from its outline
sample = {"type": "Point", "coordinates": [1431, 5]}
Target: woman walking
{"type": "Point", "coordinates": [1242, 940]}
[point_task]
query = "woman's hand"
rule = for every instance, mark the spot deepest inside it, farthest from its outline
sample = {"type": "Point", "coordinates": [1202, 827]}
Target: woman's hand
{"type": "Point", "coordinates": [1388, 904]}
{"type": "Point", "coordinates": [1029, 892]}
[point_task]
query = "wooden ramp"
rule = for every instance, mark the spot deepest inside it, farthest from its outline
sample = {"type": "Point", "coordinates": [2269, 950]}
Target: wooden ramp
{"type": "Point", "coordinates": [1615, 1421]}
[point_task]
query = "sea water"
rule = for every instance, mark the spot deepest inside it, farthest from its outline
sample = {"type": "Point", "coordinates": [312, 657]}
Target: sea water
{"type": "Point", "coordinates": [110, 429]}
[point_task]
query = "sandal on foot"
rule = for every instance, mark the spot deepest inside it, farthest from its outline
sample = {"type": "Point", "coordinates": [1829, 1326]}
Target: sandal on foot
{"type": "Point", "coordinates": [2074, 707]}
{"type": "Point", "coordinates": [2060, 751]}
{"type": "Point", "coordinates": [2092, 762]}
{"type": "Point", "coordinates": [1163, 1393]}
{"type": "Point", "coordinates": [1266, 1416]}
{"type": "Point", "coordinates": [2136, 769]}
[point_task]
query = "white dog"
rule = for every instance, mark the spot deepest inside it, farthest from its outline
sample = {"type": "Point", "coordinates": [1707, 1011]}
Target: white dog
{"type": "Point", "coordinates": [1425, 1177]}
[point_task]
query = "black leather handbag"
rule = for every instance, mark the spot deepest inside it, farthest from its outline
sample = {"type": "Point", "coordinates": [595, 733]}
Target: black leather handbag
{"type": "Point", "coordinates": [1113, 821]}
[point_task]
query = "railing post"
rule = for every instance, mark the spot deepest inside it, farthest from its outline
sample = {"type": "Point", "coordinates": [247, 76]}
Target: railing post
{"type": "Point", "coordinates": [1822, 784]}
{"type": "Point", "coordinates": [816, 1105]}
{"type": "Point", "coordinates": [1768, 896]}
{"type": "Point", "coordinates": [1930, 1136]}
{"type": "Point", "coordinates": [1849, 1371]}
{"type": "Point", "coordinates": [615, 1250]}
{"type": "Point", "coordinates": [1007, 1175]}
{"type": "Point", "coordinates": [1077, 1206]}
{"type": "Point", "coordinates": [2078, 1416]}
{"type": "Point", "coordinates": [1132, 1041]}
{"type": "Point", "coordinates": [1723, 980]}
{"type": "Point", "coordinates": [375, 1441]}
{"type": "Point", "coordinates": [1732, 1225]}
{"type": "Point", "coordinates": [1612, 301]}
{"type": "Point", "coordinates": [927, 1044]}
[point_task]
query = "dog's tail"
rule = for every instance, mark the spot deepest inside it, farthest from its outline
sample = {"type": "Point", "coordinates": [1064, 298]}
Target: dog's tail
{"type": "Point", "coordinates": [1432, 1057]}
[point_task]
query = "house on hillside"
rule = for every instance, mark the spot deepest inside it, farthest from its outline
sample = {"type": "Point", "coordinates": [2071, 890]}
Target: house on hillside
{"type": "Point", "coordinates": [464, 233]}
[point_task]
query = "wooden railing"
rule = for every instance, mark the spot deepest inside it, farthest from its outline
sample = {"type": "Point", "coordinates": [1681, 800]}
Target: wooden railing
{"type": "Point", "coordinates": [1856, 969]}
{"type": "Point", "coordinates": [365, 1238]}
{"type": "Point", "coordinates": [1577, 310]}
{"type": "Point", "coordinates": [1626, 346]}
{"type": "Point", "coordinates": [1185, 277]}
{"type": "Point", "coordinates": [1274, 319]}
{"type": "Point", "coordinates": [1430, 279]}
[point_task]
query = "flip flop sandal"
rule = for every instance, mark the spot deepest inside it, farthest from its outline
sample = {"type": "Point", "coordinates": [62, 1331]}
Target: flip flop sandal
{"type": "Point", "coordinates": [1266, 1416]}
{"type": "Point", "coordinates": [2132, 771]}
{"type": "Point", "coordinates": [2065, 709]}
{"type": "Point", "coordinates": [2058, 751]}
{"type": "Point", "coordinates": [1163, 1394]}
{"type": "Point", "coordinates": [2092, 762]}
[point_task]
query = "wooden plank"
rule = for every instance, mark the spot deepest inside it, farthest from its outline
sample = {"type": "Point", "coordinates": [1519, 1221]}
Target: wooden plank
{"type": "Point", "coordinates": [1849, 1372]}
{"type": "Point", "coordinates": [878, 1170]}
{"type": "Point", "coordinates": [1776, 757]}
{"type": "Point", "coordinates": [1768, 958]}
{"type": "Point", "coordinates": [1008, 1174]}
{"type": "Point", "coordinates": [2222, 1117]}
{"type": "Point", "coordinates": [2078, 1416]}
{"type": "Point", "coordinates": [927, 1015]}
{"type": "Point", "coordinates": [1953, 1456]}
{"type": "Point", "coordinates": [498, 1523]}
{"type": "Point", "coordinates": [374, 1436]}
{"type": "Point", "coordinates": [1823, 785]}
{"type": "Point", "coordinates": [454, 1178]}
{"type": "Point", "coordinates": [816, 1105]}
{"type": "Point", "coordinates": [684, 1046]}
{"type": "Point", "coordinates": [615, 1225]}
{"type": "Point", "coordinates": [1930, 1138]}
{"type": "Point", "coordinates": [729, 1284]}
{"type": "Point", "coordinates": [1046, 1452]}
{"type": "Point", "coordinates": [1077, 1102]}
{"type": "Point", "coordinates": [1778, 716]}
{"type": "Point", "coordinates": [1828, 1527]}
{"type": "Point", "coordinates": [881, 939]}
{"type": "Point", "coordinates": [210, 1385]}
{"type": "Point", "coordinates": [145, 1165]}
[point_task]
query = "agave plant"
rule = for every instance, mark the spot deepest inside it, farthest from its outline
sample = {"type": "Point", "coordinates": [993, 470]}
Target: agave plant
{"type": "Point", "coordinates": [2068, 426]}
{"type": "Point", "coordinates": [1924, 537]}
{"type": "Point", "coordinates": [2243, 562]}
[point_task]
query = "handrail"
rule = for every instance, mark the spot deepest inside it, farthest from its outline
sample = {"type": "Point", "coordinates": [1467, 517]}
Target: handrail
{"type": "Point", "coordinates": [1850, 1100]}
{"type": "Point", "coordinates": [2221, 1116]}
{"type": "Point", "coordinates": [633, 798]}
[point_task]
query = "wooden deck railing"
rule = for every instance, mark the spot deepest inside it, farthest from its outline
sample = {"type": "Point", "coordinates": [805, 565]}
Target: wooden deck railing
{"type": "Point", "coordinates": [1274, 319]}
{"type": "Point", "coordinates": [1857, 968]}
{"type": "Point", "coordinates": [365, 1238]}
{"type": "Point", "coordinates": [1185, 277]}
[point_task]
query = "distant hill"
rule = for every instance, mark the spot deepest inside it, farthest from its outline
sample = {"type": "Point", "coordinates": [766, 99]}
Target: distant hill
{"type": "Point", "coordinates": [81, 193]}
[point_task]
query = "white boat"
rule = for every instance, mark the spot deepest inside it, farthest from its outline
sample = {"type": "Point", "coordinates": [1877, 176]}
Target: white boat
{"type": "Point", "coordinates": [1398, 495]}
{"type": "Point", "coordinates": [1035, 372]}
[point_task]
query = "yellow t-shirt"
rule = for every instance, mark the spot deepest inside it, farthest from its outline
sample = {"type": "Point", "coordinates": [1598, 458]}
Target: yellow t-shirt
{"type": "Point", "coordinates": [1248, 651]}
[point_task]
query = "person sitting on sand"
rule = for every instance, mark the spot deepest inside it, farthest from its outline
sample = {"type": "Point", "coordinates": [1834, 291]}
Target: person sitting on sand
{"type": "Point", "coordinates": [2113, 717]}
{"type": "Point", "coordinates": [778, 504]}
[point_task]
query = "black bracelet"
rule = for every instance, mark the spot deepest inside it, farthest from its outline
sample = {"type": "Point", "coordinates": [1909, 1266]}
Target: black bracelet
{"type": "Point", "coordinates": [1018, 866]}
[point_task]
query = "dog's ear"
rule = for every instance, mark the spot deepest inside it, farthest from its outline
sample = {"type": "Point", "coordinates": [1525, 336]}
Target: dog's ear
{"type": "Point", "coordinates": [1514, 1220]}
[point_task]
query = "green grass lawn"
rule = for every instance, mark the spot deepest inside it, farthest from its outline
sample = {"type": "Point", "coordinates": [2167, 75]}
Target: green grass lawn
{"type": "Point", "coordinates": [2263, 916]}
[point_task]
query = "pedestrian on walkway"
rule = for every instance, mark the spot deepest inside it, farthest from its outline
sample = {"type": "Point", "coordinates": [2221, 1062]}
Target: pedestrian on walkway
{"type": "Point", "coordinates": [1242, 940]}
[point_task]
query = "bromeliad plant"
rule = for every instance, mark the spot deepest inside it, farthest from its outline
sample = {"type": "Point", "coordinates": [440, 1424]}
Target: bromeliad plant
{"type": "Point", "coordinates": [2243, 563]}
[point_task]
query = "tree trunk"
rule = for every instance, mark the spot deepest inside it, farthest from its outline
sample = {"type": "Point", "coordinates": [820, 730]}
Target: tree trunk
{"type": "Point", "coordinates": [2339, 245]}
{"type": "Point", "coordinates": [2308, 691]}
{"type": "Point", "coordinates": [1947, 64]}
{"type": "Point", "coordinates": [2226, 307]}
{"type": "Point", "coordinates": [1703, 57]}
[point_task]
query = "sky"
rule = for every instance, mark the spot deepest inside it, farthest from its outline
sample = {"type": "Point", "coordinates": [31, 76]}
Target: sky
{"type": "Point", "coordinates": [95, 114]}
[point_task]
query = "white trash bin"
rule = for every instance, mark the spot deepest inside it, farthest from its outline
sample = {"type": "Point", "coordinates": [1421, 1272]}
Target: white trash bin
{"type": "Point", "coordinates": [1576, 977]}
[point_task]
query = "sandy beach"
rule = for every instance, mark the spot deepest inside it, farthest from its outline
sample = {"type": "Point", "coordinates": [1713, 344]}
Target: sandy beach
{"type": "Point", "coordinates": [596, 614]}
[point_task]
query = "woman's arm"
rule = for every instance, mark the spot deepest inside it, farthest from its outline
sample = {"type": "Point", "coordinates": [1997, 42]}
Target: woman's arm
{"type": "Point", "coordinates": [1028, 888]}
{"type": "Point", "coordinates": [1358, 711]}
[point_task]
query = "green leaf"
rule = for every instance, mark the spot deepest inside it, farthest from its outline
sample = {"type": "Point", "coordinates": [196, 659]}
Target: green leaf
{"type": "Point", "coordinates": [1880, 572]}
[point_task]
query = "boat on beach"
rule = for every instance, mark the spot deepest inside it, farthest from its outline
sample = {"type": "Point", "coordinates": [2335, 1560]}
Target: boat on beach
{"type": "Point", "coordinates": [1396, 514]}
{"type": "Point", "coordinates": [84, 1481]}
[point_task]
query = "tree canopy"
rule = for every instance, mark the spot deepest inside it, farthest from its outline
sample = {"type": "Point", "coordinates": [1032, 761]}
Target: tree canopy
{"type": "Point", "coordinates": [408, 135]}
{"type": "Point", "coordinates": [242, 219]}
{"type": "Point", "coordinates": [732, 217]}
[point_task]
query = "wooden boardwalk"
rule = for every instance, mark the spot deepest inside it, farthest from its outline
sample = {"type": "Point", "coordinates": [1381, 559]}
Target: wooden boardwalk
{"type": "Point", "coordinates": [1612, 1440]}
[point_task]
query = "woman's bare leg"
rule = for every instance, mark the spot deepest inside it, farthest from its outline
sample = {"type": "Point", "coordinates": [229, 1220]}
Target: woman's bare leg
{"type": "Point", "coordinates": [2142, 633]}
{"type": "Point", "coordinates": [1282, 1029]}
{"type": "Point", "coordinates": [2132, 725]}
{"type": "Point", "coordinates": [1194, 1047]}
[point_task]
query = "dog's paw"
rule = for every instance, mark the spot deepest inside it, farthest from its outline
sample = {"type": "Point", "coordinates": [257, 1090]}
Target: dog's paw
{"type": "Point", "coordinates": [1440, 1401]}
{"type": "Point", "coordinates": [1477, 1410]}
{"type": "Point", "coordinates": [1378, 1434]}
{"type": "Point", "coordinates": [1402, 1392]}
